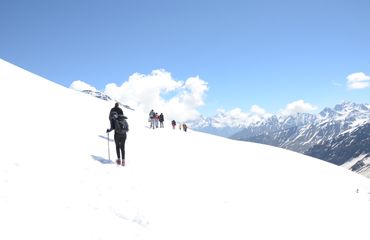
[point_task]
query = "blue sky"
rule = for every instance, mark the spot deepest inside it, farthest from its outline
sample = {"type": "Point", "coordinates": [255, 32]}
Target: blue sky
{"type": "Point", "coordinates": [261, 52]}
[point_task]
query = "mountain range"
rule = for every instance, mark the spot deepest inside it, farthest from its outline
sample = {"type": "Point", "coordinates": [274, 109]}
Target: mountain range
{"type": "Point", "coordinates": [340, 135]}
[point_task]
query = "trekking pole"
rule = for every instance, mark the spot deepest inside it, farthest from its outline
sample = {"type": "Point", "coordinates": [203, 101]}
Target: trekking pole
{"type": "Point", "coordinates": [108, 147]}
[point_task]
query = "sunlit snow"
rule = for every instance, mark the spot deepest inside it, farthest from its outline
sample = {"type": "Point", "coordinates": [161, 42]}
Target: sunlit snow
{"type": "Point", "coordinates": [56, 181]}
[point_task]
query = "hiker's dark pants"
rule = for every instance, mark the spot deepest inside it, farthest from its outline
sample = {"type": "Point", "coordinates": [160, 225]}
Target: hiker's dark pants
{"type": "Point", "coordinates": [120, 140]}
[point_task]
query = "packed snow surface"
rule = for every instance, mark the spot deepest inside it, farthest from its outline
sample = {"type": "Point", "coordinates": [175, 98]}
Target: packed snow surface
{"type": "Point", "coordinates": [57, 181]}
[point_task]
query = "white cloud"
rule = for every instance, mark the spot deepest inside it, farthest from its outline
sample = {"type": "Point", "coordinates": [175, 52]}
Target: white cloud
{"type": "Point", "coordinates": [358, 80]}
{"type": "Point", "coordinates": [237, 118]}
{"type": "Point", "coordinates": [148, 92]}
{"type": "Point", "coordinates": [80, 85]}
{"type": "Point", "coordinates": [237, 114]}
{"type": "Point", "coordinates": [258, 110]}
{"type": "Point", "coordinates": [298, 107]}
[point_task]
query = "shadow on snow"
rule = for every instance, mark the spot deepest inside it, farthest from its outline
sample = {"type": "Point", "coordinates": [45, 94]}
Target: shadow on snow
{"type": "Point", "coordinates": [102, 160]}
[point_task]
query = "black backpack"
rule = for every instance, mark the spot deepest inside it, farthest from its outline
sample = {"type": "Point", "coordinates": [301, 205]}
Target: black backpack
{"type": "Point", "coordinates": [121, 125]}
{"type": "Point", "coordinates": [113, 115]}
{"type": "Point", "coordinates": [161, 118]}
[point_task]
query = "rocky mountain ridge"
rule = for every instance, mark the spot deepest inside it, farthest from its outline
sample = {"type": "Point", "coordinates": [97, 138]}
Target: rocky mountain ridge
{"type": "Point", "coordinates": [326, 135]}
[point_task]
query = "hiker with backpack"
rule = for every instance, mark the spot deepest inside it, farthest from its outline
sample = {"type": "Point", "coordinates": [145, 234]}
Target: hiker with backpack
{"type": "Point", "coordinates": [120, 126]}
{"type": "Point", "coordinates": [114, 112]}
{"type": "Point", "coordinates": [152, 118]}
{"type": "Point", "coordinates": [161, 120]}
{"type": "Point", "coordinates": [184, 127]}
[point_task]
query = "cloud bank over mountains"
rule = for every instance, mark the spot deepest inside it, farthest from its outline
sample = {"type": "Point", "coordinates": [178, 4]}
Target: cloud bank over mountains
{"type": "Point", "coordinates": [181, 99]}
{"type": "Point", "coordinates": [298, 107]}
{"type": "Point", "coordinates": [237, 117]}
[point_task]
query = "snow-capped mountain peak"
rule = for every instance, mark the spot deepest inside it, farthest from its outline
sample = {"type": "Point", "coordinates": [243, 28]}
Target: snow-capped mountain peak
{"type": "Point", "coordinates": [328, 113]}
{"type": "Point", "coordinates": [301, 132]}
{"type": "Point", "coordinates": [350, 107]}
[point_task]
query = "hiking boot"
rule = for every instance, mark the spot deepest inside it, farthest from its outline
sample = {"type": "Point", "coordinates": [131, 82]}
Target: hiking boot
{"type": "Point", "coordinates": [118, 161]}
{"type": "Point", "coordinates": [123, 162]}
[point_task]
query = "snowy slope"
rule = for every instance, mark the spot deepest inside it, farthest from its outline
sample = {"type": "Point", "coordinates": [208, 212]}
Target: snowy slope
{"type": "Point", "coordinates": [57, 183]}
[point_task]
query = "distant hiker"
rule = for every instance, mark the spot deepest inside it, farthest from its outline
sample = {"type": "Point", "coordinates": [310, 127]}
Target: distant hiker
{"type": "Point", "coordinates": [161, 120]}
{"type": "Point", "coordinates": [184, 127]}
{"type": "Point", "coordinates": [173, 123]}
{"type": "Point", "coordinates": [156, 120]}
{"type": "Point", "coordinates": [114, 112]}
{"type": "Point", "coordinates": [120, 134]}
{"type": "Point", "coordinates": [152, 118]}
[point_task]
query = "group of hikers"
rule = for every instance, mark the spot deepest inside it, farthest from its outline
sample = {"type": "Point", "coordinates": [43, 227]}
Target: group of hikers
{"type": "Point", "coordinates": [120, 126]}
{"type": "Point", "coordinates": [154, 119]}
{"type": "Point", "coordinates": [183, 126]}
